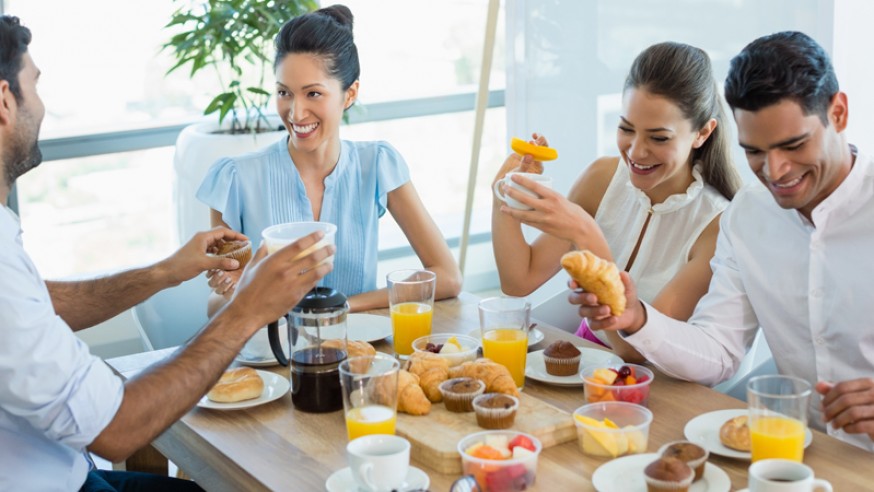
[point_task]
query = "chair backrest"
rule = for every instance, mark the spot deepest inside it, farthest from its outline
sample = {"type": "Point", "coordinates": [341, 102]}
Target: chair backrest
{"type": "Point", "coordinates": [558, 312]}
{"type": "Point", "coordinates": [757, 362]}
{"type": "Point", "coordinates": [172, 316]}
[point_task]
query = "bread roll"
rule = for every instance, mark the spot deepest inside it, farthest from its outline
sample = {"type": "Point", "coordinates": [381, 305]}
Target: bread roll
{"type": "Point", "coordinates": [598, 276]}
{"type": "Point", "coordinates": [242, 383]}
{"type": "Point", "coordinates": [735, 434]}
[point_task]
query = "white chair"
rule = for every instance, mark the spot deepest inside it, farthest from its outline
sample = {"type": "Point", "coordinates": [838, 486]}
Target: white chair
{"type": "Point", "coordinates": [757, 362]}
{"type": "Point", "coordinates": [172, 316]}
{"type": "Point", "coordinates": [558, 312]}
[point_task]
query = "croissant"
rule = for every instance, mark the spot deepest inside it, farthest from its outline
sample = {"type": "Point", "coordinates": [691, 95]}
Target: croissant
{"type": "Point", "coordinates": [598, 276]}
{"type": "Point", "coordinates": [354, 348]}
{"type": "Point", "coordinates": [496, 376]}
{"type": "Point", "coordinates": [431, 370]}
{"type": "Point", "coordinates": [411, 398]}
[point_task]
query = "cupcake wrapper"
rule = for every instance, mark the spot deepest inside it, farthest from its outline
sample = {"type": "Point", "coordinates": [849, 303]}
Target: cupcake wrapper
{"type": "Point", "coordinates": [664, 485]}
{"type": "Point", "coordinates": [242, 254]}
{"type": "Point", "coordinates": [562, 366]}
{"type": "Point", "coordinates": [459, 402]}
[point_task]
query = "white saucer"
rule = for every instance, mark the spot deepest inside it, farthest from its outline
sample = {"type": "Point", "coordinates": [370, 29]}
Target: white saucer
{"type": "Point", "coordinates": [367, 327]}
{"type": "Point", "coordinates": [266, 362]}
{"type": "Point", "coordinates": [275, 387]}
{"type": "Point", "coordinates": [626, 475]}
{"type": "Point", "coordinates": [342, 481]}
{"type": "Point", "coordinates": [704, 430]}
{"type": "Point", "coordinates": [535, 367]}
{"type": "Point", "coordinates": [535, 336]}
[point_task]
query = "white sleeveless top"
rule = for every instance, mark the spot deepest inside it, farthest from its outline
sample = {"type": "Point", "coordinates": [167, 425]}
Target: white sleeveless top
{"type": "Point", "coordinates": [675, 226]}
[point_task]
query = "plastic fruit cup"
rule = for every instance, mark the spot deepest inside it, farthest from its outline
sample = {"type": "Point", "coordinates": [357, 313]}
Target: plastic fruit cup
{"type": "Point", "coordinates": [618, 391]}
{"type": "Point", "coordinates": [500, 475]}
{"type": "Point", "coordinates": [611, 429]}
{"type": "Point", "coordinates": [469, 345]}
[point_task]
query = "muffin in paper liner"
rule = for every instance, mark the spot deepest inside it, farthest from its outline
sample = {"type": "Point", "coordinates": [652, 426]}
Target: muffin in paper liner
{"type": "Point", "coordinates": [690, 453]}
{"type": "Point", "coordinates": [495, 410]}
{"type": "Point", "coordinates": [238, 250]}
{"type": "Point", "coordinates": [668, 475]}
{"type": "Point", "coordinates": [458, 393]}
{"type": "Point", "coordinates": [562, 359]}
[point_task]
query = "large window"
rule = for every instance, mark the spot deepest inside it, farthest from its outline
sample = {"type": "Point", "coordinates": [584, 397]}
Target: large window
{"type": "Point", "coordinates": [103, 72]}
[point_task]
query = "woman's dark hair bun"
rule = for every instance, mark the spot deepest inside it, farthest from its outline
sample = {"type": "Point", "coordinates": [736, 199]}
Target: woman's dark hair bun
{"type": "Point", "coordinates": [339, 13]}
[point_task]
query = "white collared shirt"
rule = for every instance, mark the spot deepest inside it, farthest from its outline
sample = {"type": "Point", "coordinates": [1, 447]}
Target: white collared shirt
{"type": "Point", "coordinates": [55, 397]}
{"type": "Point", "coordinates": [810, 288]}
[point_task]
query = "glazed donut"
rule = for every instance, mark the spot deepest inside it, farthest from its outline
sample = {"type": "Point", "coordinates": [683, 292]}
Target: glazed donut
{"type": "Point", "coordinates": [242, 383]}
{"type": "Point", "coordinates": [598, 276]}
{"type": "Point", "coordinates": [539, 153]}
{"type": "Point", "coordinates": [735, 434]}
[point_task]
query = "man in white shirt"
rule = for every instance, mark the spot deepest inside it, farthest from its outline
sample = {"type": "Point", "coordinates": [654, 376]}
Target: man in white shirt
{"type": "Point", "coordinates": [56, 399]}
{"type": "Point", "coordinates": [793, 256]}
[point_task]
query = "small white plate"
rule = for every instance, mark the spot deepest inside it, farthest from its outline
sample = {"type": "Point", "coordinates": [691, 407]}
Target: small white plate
{"type": "Point", "coordinates": [704, 430]}
{"type": "Point", "coordinates": [257, 362]}
{"type": "Point", "coordinates": [342, 481]}
{"type": "Point", "coordinates": [535, 367]}
{"type": "Point", "coordinates": [535, 336]}
{"type": "Point", "coordinates": [626, 475]}
{"type": "Point", "coordinates": [367, 327]}
{"type": "Point", "coordinates": [275, 387]}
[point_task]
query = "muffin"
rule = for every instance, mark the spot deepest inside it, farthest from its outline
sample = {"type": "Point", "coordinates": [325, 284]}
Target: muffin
{"type": "Point", "coordinates": [458, 393]}
{"type": "Point", "coordinates": [495, 410]}
{"type": "Point", "coordinates": [238, 250]}
{"type": "Point", "coordinates": [690, 453]}
{"type": "Point", "coordinates": [668, 475]}
{"type": "Point", "coordinates": [561, 358]}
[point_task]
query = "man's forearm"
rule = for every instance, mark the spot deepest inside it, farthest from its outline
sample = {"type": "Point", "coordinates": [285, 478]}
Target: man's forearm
{"type": "Point", "coordinates": [85, 303]}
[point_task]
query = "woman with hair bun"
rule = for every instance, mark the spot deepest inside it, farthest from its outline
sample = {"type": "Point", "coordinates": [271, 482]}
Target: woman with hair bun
{"type": "Point", "coordinates": [311, 174]}
{"type": "Point", "coordinates": [653, 210]}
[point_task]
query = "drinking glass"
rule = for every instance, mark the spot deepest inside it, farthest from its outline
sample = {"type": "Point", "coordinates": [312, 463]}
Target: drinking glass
{"type": "Point", "coordinates": [411, 301]}
{"type": "Point", "coordinates": [777, 416]}
{"type": "Point", "coordinates": [370, 394]}
{"type": "Point", "coordinates": [504, 325]}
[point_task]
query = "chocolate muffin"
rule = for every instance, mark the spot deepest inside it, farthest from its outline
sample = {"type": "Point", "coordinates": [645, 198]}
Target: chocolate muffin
{"type": "Point", "coordinates": [668, 475]}
{"type": "Point", "coordinates": [561, 359]}
{"type": "Point", "coordinates": [238, 250]}
{"type": "Point", "coordinates": [458, 393]}
{"type": "Point", "coordinates": [690, 453]}
{"type": "Point", "coordinates": [495, 410]}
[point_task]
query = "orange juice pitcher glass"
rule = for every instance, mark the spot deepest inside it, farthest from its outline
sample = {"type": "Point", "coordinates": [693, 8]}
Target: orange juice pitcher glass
{"type": "Point", "coordinates": [504, 325]}
{"type": "Point", "coordinates": [778, 416]}
{"type": "Point", "coordinates": [411, 302]}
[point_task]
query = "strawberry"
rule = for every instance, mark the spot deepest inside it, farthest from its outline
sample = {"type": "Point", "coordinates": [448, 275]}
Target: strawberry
{"type": "Point", "coordinates": [523, 441]}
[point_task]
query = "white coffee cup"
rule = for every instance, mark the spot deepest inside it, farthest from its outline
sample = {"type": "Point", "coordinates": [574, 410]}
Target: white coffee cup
{"type": "Point", "coordinates": [257, 349]}
{"type": "Point", "coordinates": [779, 475]}
{"type": "Point", "coordinates": [507, 181]}
{"type": "Point", "coordinates": [379, 462]}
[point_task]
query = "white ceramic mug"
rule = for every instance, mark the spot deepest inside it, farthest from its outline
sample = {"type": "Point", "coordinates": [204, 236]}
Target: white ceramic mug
{"type": "Point", "coordinates": [779, 475]}
{"type": "Point", "coordinates": [507, 181]}
{"type": "Point", "coordinates": [379, 462]}
{"type": "Point", "coordinates": [257, 349]}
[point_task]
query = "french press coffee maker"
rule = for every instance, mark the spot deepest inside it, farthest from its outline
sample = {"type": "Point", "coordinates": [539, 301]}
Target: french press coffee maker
{"type": "Point", "coordinates": [317, 345]}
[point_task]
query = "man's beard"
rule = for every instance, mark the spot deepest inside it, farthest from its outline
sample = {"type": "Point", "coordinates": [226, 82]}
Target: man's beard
{"type": "Point", "coordinates": [21, 162]}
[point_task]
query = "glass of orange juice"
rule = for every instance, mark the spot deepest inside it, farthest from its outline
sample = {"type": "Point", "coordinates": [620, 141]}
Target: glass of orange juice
{"type": "Point", "coordinates": [411, 302]}
{"type": "Point", "coordinates": [370, 394]}
{"type": "Point", "coordinates": [778, 416]}
{"type": "Point", "coordinates": [504, 325]}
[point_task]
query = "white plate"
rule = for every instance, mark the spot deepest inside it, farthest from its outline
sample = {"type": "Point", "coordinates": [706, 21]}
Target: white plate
{"type": "Point", "coordinates": [535, 367]}
{"type": "Point", "coordinates": [275, 386]}
{"type": "Point", "coordinates": [257, 362]}
{"type": "Point", "coordinates": [535, 336]}
{"type": "Point", "coordinates": [626, 475]}
{"type": "Point", "coordinates": [704, 430]}
{"type": "Point", "coordinates": [367, 327]}
{"type": "Point", "coordinates": [342, 481]}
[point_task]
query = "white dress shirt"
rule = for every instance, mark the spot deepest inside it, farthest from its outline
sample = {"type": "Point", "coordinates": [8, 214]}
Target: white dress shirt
{"type": "Point", "coordinates": [810, 286]}
{"type": "Point", "coordinates": [55, 397]}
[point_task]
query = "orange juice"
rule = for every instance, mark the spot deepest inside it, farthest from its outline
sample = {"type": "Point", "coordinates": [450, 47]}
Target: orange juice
{"type": "Point", "coordinates": [509, 347]}
{"type": "Point", "coordinates": [409, 321]}
{"type": "Point", "coordinates": [372, 419]}
{"type": "Point", "coordinates": [777, 437]}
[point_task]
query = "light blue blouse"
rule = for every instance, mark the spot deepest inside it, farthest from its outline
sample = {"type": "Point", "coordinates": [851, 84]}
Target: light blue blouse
{"type": "Point", "coordinates": [256, 190]}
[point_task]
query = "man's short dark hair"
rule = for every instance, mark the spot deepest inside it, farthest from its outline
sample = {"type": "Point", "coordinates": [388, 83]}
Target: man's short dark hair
{"type": "Point", "coordinates": [785, 65]}
{"type": "Point", "coordinates": [14, 39]}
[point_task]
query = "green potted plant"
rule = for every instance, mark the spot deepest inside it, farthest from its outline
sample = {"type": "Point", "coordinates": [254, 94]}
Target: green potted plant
{"type": "Point", "coordinates": [234, 40]}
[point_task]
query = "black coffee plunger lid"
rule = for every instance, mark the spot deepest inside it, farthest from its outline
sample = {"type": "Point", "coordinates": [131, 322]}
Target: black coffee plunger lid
{"type": "Point", "coordinates": [321, 299]}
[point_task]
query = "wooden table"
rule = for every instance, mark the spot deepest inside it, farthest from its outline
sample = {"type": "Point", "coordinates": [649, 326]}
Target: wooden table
{"type": "Point", "coordinates": [275, 447]}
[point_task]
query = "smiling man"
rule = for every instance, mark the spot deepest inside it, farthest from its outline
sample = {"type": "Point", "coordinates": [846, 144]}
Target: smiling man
{"type": "Point", "coordinates": [793, 251]}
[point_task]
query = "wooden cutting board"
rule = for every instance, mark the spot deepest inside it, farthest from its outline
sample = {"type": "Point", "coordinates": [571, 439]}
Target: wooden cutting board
{"type": "Point", "coordinates": [434, 437]}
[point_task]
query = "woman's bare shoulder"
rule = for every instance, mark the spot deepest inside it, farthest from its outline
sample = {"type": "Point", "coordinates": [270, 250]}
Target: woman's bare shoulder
{"type": "Point", "coordinates": [590, 187]}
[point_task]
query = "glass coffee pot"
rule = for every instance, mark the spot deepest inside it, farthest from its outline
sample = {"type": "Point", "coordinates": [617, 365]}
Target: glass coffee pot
{"type": "Point", "coordinates": [317, 345]}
